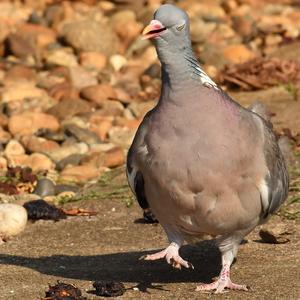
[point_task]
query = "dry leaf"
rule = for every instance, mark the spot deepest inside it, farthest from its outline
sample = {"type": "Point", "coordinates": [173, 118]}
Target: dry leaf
{"type": "Point", "coordinates": [78, 212]}
{"type": "Point", "coordinates": [260, 73]}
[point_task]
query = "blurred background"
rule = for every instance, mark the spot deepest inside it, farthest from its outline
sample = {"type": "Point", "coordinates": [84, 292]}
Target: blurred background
{"type": "Point", "coordinates": [76, 80]}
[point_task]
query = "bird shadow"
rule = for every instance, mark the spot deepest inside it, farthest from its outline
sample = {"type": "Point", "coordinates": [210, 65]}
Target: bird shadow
{"type": "Point", "coordinates": [126, 266]}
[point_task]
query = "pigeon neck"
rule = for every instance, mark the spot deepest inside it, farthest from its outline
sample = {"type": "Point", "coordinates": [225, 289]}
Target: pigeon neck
{"type": "Point", "coordinates": [181, 69]}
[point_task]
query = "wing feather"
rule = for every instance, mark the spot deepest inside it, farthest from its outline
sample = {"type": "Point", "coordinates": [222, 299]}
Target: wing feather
{"type": "Point", "coordinates": [277, 179]}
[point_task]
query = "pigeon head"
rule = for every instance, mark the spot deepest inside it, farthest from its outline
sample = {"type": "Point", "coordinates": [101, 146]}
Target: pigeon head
{"type": "Point", "coordinates": [170, 26]}
{"type": "Point", "coordinates": [170, 31]}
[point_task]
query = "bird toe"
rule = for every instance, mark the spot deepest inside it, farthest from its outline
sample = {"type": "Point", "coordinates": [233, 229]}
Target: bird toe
{"type": "Point", "coordinates": [220, 286]}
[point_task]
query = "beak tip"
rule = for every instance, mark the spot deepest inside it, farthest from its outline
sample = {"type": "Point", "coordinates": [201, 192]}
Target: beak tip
{"type": "Point", "coordinates": [153, 25]}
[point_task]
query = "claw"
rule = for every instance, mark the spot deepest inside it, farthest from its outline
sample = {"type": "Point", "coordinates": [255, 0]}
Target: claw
{"type": "Point", "coordinates": [175, 264]}
{"type": "Point", "coordinates": [171, 255]}
{"type": "Point", "coordinates": [220, 286]}
{"type": "Point", "coordinates": [223, 282]}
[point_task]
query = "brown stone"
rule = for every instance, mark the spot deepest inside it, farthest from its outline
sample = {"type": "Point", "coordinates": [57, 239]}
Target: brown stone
{"type": "Point", "coordinates": [15, 107]}
{"type": "Point", "coordinates": [19, 90]}
{"type": "Point", "coordinates": [237, 53]}
{"type": "Point", "coordinates": [244, 26]}
{"type": "Point", "coordinates": [42, 36]}
{"type": "Point", "coordinates": [17, 160]}
{"type": "Point", "coordinates": [121, 136]}
{"type": "Point", "coordinates": [19, 46]}
{"type": "Point", "coordinates": [4, 136]}
{"type": "Point", "coordinates": [69, 108]}
{"type": "Point", "coordinates": [275, 231]}
{"type": "Point", "coordinates": [62, 72]}
{"type": "Point", "coordinates": [92, 60]}
{"type": "Point", "coordinates": [81, 78]}
{"type": "Point", "coordinates": [125, 25]}
{"type": "Point", "coordinates": [100, 125]}
{"type": "Point", "coordinates": [133, 124]}
{"type": "Point", "coordinates": [64, 57]}
{"type": "Point", "coordinates": [111, 108]}
{"type": "Point", "coordinates": [4, 32]}
{"type": "Point", "coordinates": [20, 73]}
{"type": "Point", "coordinates": [38, 144]}
{"type": "Point", "coordinates": [89, 35]}
{"type": "Point", "coordinates": [3, 120]}
{"type": "Point", "coordinates": [40, 162]}
{"type": "Point", "coordinates": [36, 4]}
{"type": "Point", "coordinates": [81, 133]}
{"type": "Point", "coordinates": [155, 3]}
{"type": "Point", "coordinates": [98, 93]}
{"type": "Point", "coordinates": [14, 13]}
{"type": "Point", "coordinates": [66, 150]}
{"type": "Point", "coordinates": [95, 158]}
{"type": "Point", "coordinates": [3, 163]}
{"type": "Point", "coordinates": [13, 148]}
{"type": "Point", "coordinates": [118, 61]}
{"type": "Point", "coordinates": [211, 54]}
{"type": "Point", "coordinates": [80, 173]}
{"type": "Point", "coordinates": [203, 9]}
{"type": "Point", "coordinates": [140, 109]}
{"type": "Point", "coordinates": [122, 95]}
{"type": "Point", "coordinates": [200, 30]}
{"type": "Point", "coordinates": [64, 91]}
{"type": "Point", "coordinates": [110, 158]}
{"type": "Point", "coordinates": [114, 157]}
{"type": "Point", "coordinates": [288, 51]}
{"type": "Point", "coordinates": [30, 122]}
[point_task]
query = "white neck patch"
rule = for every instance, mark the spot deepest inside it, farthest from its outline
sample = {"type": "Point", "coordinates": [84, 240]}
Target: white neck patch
{"type": "Point", "coordinates": [205, 79]}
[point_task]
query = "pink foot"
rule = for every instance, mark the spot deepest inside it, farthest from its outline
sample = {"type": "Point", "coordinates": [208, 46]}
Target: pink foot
{"type": "Point", "coordinates": [224, 282]}
{"type": "Point", "coordinates": [220, 285]}
{"type": "Point", "coordinates": [171, 255]}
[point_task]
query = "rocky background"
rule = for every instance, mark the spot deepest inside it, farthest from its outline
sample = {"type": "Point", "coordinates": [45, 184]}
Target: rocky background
{"type": "Point", "coordinates": [76, 80]}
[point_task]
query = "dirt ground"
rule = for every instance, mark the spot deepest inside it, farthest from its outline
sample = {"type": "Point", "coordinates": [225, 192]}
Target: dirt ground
{"type": "Point", "coordinates": [80, 250]}
{"type": "Point", "coordinates": [45, 43]}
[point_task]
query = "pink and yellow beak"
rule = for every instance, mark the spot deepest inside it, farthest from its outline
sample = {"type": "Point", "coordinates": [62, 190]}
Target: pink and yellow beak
{"type": "Point", "coordinates": [153, 30]}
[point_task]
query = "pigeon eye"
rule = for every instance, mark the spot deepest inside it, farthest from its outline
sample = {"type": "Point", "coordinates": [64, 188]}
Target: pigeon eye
{"type": "Point", "coordinates": [180, 27]}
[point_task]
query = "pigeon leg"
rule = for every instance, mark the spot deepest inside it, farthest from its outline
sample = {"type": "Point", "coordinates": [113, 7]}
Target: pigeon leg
{"type": "Point", "coordinates": [171, 254]}
{"type": "Point", "coordinates": [224, 281]}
